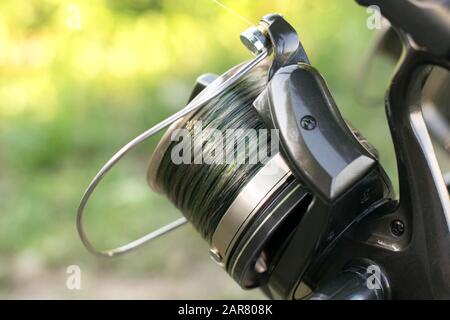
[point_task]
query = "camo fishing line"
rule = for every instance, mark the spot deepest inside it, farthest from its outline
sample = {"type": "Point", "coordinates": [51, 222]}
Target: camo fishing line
{"type": "Point", "coordinates": [203, 192]}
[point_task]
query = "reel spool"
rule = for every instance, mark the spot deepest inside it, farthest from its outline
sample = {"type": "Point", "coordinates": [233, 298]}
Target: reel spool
{"type": "Point", "coordinates": [237, 207]}
{"type": "Point", "coordinates": [272, 226]}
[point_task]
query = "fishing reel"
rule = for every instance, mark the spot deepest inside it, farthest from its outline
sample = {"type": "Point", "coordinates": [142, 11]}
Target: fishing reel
{"type": "Point", "coordinates": [281, 225]}
{"type": "Point", "coordinates": [325, 176]}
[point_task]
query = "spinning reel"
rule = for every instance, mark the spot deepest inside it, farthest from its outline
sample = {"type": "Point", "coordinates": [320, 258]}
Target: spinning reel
{"type": "Point", "coordinates": [313, 220]}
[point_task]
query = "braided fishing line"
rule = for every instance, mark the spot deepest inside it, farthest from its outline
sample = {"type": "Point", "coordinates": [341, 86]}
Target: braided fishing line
{"type": "Point", "coordinates": [203, 192]}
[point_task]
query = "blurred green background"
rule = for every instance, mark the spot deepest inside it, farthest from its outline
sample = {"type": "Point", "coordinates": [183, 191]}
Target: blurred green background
{"type": "Point", "coordinates": [78, 79]}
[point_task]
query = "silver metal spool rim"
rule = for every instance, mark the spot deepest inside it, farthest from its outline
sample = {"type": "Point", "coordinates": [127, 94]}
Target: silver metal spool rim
{"type": "Point", "coordinates": [232, 268]}
{"type": "Point", "coordinates": [246, 206]}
